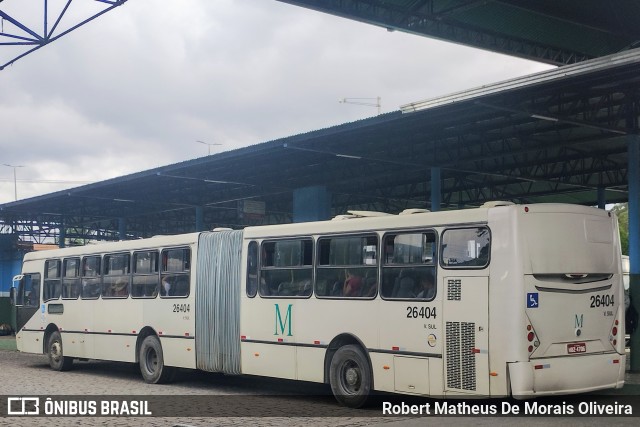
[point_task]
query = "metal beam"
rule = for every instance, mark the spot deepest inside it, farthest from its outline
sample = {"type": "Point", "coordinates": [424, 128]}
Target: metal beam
{"type": "Point", "coordinates": [35, 40]}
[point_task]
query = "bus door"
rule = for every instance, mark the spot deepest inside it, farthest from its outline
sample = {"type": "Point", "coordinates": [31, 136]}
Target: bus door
{"type": "Point", "coordinates": [27, 298]}
{"type": "Point", "coordinates": [466, 329]}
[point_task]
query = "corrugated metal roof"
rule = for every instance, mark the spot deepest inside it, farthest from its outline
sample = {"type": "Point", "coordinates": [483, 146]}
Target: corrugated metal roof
{"type": "Point", "coordinates": [548, 137]}
{"type": "Point", "coordinates": [556, 32]}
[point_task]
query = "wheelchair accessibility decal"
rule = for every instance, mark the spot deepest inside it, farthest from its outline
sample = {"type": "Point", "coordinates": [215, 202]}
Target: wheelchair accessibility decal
{"type": "Point", "coordinates": [532, 300]}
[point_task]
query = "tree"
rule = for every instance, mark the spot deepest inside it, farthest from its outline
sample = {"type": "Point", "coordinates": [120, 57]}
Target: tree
{"type": "Point", "coordinates": [622, 212]}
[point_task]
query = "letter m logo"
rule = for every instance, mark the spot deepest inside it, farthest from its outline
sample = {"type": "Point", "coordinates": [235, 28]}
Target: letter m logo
{"type": "Point", "coordinates": [579, 321]}
{"type": "Point", "coordinates": [281, 324]}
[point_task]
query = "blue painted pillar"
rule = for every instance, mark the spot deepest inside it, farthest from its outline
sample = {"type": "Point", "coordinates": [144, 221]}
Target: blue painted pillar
{"type": "Point", "coordinates": [311, 204]}
{"type": "Point", "coordinates": [436, 189]}
{"type": "Point", "coordinates": [633, 175]}
{"type": "Point", "coordinates": [122, 228]}
{"type": "Point", "coordinates": [199, 218]}
{"type": "Point", "coordinates": [602, 200]}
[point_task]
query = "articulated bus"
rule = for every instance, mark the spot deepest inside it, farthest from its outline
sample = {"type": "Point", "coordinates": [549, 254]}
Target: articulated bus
{"type": "Point", "coordinates": [501, 300]}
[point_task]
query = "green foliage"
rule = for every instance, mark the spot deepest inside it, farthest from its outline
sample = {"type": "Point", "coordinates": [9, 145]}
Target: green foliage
{"type": "Point", "coordinates": [622, 212]}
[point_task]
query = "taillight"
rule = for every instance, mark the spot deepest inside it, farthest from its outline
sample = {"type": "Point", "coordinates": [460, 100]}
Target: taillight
{"type": "Point", "coordinates": [614, 333]}
{"type": "Point", "coordinates": [532, 339]}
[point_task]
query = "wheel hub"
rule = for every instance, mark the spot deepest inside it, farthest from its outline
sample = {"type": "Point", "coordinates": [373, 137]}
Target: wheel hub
{"type": "Point", "coordinates": [56, 351]}
{"type": "Point", "coordinates": [152, 361]}
{"type": "Point", "coordinates": [352, 376]}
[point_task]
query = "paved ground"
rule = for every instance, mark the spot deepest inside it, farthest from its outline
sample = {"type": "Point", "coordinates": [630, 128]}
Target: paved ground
{"type": "Point", "coordinates": [7, 343]}
{"type": "Point", "coordinates": [273, 400]}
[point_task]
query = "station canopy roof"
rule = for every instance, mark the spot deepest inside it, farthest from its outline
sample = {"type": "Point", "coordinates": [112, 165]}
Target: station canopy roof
{"type": "Point", "coordinates": [555, 136]}
{"type": "Point", "coordinates": [551, 31]}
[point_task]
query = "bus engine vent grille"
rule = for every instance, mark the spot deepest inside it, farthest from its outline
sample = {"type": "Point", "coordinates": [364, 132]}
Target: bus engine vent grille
{"type": "Point", "coordinates": [454, 289]}
{"type": "Point", "coordinates": [461, 363]}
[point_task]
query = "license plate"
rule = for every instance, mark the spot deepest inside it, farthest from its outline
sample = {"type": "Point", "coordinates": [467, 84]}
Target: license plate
{"type": "Point", "coordinates": [578, 347]}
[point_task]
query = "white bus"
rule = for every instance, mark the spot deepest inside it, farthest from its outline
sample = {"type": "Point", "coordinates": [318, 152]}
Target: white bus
{"type": "Point", "coordinates": [502, 300]}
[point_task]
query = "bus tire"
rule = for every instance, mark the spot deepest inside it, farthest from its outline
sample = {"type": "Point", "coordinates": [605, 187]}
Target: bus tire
{"type": "Point", "coordinates": [152, 362]}
{"type": "Point", "coordinates": [57, 360]}
{"type": "Point", "coordinates": [350, 376]}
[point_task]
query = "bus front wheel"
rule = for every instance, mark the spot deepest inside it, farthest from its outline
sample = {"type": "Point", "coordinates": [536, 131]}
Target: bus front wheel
{"type": "Point", "coordinates": [57, 360]}
{"type": "Point", "coordinates": [350, 376]}
{"type": "Point", "coordinates": [152, 362]}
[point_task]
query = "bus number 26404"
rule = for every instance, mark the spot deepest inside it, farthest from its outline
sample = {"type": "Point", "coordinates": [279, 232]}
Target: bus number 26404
{"type": "Point", "coordinates": [181, 308]}
{"type": "Point", "coordinates": [421, 312]}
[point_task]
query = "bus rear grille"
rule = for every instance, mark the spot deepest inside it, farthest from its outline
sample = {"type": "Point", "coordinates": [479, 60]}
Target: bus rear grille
{"type": "Point", "coordinates": [461, 363]}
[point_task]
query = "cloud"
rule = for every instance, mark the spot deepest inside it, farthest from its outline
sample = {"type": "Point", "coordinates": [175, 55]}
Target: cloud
{"type": "Point", "coordinates": [137, 87]}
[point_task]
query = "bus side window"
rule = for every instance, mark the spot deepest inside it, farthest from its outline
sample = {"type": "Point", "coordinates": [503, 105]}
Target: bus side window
{"type": "Point", "coordinates": [466, 247]}
{"type": "Point", "coordinates": [145, 282]}
{"type": "Point", "coordinates": [52, 285]}
{"type": "Point", "coordinates": [175, 277]}
{"type": "Point", "coordinates": [409, 270]}
{"type": "Point", "coordinates": [252, 269]}
{"type": "Point", "coordinates": [286, 268]}
{"type": "Point", "coordinates": [116, 279]}
{"type": "Point", "coordinates": [347, 267]}
{"type": "Point", "coordinates": [90, 280]}
{"type": "Point", "coordinates": [71, 278]}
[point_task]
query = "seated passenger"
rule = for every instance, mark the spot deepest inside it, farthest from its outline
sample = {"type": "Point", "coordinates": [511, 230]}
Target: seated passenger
{"type": "Point", "coordinates": [405, 288]}
{"type": "Point", "coordinates": [336, 289]}
{"type": "Point", "coordinates": [264, 287]}
{"type": "Point", "coordinates": [165, 289]}
{"type": "Point", "coordinates": [371, 287]}
{"type": "Point", "coordinates": [427, 287]}
{"type": "Point", "coordinates": [352, 285]}
{"type": "Point", "coordinates": [120, 288]}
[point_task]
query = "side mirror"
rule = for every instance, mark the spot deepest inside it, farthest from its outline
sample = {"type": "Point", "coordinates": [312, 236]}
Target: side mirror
{"type": "Point", "coordinates": [13, 292]}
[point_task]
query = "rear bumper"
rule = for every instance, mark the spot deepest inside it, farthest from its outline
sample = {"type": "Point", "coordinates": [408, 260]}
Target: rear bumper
{"type": "Point", "coordinates": [566, 375]}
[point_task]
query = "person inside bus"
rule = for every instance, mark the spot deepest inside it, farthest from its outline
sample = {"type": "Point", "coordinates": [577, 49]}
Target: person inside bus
{"type": "Point", "coordinates": [33, 299]}
{"type": "Point", "coordinates": [264, 287]}
{"type": "Point", "coordinates": [370, 286]}
{"type": "Point", "coordinates": [120, 288]}
{"type": "Point", "coordinates": [166, 287]}
{"type": "Point", "coordinates": [405, 287]}
{"type": "Point", "coordinates": [352, 285]}
{"type": "Point", "coordinates": [427, 287]}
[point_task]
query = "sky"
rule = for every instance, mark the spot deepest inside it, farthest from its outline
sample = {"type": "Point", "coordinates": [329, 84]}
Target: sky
{"type": "Point", "coordinates": [140, 85]}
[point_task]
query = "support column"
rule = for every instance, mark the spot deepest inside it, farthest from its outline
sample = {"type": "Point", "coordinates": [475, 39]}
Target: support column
{"type": "Point", "coordinates": [199, 218]}
{"type": "Point", "coordinates": [122, 228]}
{"type": "Point", "coordinates": [602, 199]}
{"type": "Point", "coordinates": [62, 235]}
{"type": "Point", "coordinates": [633, 175]}
{"type": "Point", "coordinates": [436, 189]}
{"type": "Point", "coordinates": [311, 204]}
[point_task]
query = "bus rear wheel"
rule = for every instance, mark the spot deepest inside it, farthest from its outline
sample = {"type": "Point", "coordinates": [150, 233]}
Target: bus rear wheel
{"type": "Point", "coordinates": [152, 362]}
{"type": "Point", "coordinates": [350, 376]}
{"type": "Point", "coordinates": [57, 360]}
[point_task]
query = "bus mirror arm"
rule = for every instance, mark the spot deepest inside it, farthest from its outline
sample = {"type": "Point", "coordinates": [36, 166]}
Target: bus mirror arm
{"type": "Point", "coordinates": [13, 291]}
